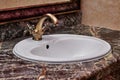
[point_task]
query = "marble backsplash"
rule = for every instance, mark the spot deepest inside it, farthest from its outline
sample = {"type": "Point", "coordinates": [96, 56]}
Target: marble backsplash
{"type": "Point", "coordinates": [14, 30]}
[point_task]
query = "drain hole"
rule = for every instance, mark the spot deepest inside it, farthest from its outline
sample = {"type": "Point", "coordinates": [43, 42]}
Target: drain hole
{"type": "Point", "coordinates": [47, 46]}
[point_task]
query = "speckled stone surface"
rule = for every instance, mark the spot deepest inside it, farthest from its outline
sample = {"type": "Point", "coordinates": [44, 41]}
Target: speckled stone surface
{"type": "Point", "coordinates": [14, 30]}
{"type": "Point", "coordinates": [107, 68]}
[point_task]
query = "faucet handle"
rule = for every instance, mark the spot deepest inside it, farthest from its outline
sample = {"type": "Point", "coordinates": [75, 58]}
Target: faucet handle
{"type": "Point", "coordinates": [44, 28]}
{"type": "Point", "coordinates": [49, 26]}
{"type": "Point", "coordinates": [30, 28]}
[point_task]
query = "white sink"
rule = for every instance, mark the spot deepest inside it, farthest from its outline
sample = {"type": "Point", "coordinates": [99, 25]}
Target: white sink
{"type": "Point", "coordinates": [62, 48]}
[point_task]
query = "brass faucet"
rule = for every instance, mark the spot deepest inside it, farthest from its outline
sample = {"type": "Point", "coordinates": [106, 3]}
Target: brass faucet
{"type": "Point", "coordinates": [39, 29]}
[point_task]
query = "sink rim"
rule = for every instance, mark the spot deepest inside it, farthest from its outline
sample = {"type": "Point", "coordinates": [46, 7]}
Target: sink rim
{"type": "Point", "coordinates": [70, 61]}
{"type": "Point", "coordinates": [62, 62]}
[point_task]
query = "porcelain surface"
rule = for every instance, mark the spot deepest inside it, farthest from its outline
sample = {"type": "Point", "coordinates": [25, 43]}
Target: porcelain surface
{"type": "Point", "coordinates": [62, 48]}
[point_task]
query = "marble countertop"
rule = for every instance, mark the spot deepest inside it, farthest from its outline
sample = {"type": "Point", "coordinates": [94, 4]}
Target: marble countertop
{"type": "Point", "coordinates": [14, 68]}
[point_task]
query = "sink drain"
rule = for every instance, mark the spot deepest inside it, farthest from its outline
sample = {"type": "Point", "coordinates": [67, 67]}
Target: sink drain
{"type": "Point", "coordinates": [47, 46]}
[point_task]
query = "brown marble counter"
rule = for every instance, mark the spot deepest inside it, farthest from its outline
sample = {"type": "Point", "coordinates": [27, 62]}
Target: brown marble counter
{"type": "Point", "coordinates": [107, 68]}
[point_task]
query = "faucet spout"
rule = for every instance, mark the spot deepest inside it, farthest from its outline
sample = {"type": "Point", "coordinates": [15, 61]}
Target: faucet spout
{"type": "Point", "coordinates": [39, 30]}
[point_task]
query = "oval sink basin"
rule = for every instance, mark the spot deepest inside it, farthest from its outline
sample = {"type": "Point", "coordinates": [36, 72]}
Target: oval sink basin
{"type": "Point", "coordinates": [62, 48]}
